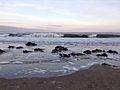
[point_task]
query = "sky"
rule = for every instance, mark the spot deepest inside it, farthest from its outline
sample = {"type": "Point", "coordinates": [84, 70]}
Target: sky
{"type": "Point", "coordinates": [62, 15]}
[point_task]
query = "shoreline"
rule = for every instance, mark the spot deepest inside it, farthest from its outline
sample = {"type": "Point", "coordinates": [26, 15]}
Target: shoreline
{"type": "Point", "coordinates": [97, 77]}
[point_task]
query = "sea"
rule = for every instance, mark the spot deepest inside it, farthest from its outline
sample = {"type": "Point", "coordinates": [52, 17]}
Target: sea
{"type": "Point", "coordinates": [16, 64]}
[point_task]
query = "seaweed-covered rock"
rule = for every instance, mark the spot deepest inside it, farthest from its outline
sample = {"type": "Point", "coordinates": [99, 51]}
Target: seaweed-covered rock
{"type": "Point", "coordinates": [31, 44]}
{"type": "Point", "coordinates": [59, 49]}
{"type": "Point", "coordinates": [87, 52]}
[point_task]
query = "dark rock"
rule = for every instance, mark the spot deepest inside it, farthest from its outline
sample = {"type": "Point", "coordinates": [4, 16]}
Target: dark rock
{"type": "Point", "coordinates": [87, 52]}
{"type": "Point", "coordinates": [76, 54]}
{"type": "Point", "coordinates": [75, 36]}
{"type": "Point", "coordinates": [104, 51]}
{"type": "Point", "coordinates": [64, 55]}
{"type": "Point", "coordinates": [54, 51]}
{"type": "Point", "coordinates": [107, 36]}
{"type": "Point", "coordinates": [112, 52]}
{"type": "Point", "coordinates": [96, 51]}
{"type": "Point", "coordinates": [59, 49]}
{"type": "Point", "coordinates": [2, 51]}
{"type": "Point", "coordinates": [109, 51]}
{"type": "Point", "coordinates": [31, 44]}
{"type": "Point", "coordinates": [11, 46]}
{"type": "Point", "coordinates": [11, 35]}
{"type": "Point", "coordinates": [98, 55]}
{"type": "Point", "coordinates": [115, 52]}
{"type": "Point", "coordinates": [26, 51]}
{"type": "Point", "coordinates": [38, 49]}
{"type": "Point", "coordinates": [105, 64]}
{"type": "Point", "coordinates": [20, 47]}
{"type": "Point", "coordinates": [15, 34]}
{"type": "Point", "coordinates": [102, 55]}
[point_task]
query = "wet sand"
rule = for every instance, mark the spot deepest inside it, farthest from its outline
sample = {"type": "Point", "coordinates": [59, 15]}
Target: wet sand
{"type": "Point", "coordinates": [95, 78]}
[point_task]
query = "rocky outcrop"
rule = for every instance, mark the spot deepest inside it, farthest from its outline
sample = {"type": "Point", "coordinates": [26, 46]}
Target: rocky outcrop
{"type": "Point", "coordinates": [59, 49]}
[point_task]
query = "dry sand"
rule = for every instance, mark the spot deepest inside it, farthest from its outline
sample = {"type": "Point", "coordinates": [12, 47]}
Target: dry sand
{"type": "Point", "coordinates": [95, 78]}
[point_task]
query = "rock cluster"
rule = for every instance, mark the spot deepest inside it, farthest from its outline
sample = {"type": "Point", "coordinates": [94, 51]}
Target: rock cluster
{"type": "Point", "coordinates": [59, 49]}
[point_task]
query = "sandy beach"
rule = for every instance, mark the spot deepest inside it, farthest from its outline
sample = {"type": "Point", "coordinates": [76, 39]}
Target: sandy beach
{"type": "Point", "coordinates": [97, 77]}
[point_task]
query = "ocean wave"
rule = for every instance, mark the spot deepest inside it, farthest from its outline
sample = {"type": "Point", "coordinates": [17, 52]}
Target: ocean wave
{"type": "Point", "coordinates": [62, 35]}
{"type": "Point", "coordinates": [50, 35]}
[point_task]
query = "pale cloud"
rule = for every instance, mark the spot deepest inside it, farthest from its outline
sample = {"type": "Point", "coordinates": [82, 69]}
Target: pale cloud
{"type": "Point", "coordinates": [50, 14]}
{"type": "Point", "coordinates": [30, 21]}
{"type": "Point", "coordinates": [19, 4]}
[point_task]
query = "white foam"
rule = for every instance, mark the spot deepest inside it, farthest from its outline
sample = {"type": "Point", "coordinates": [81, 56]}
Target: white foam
{"type": "Point", "coordinates": [70, 68]}
{"type": "Point", "coordinates": [71, 63]}
{"type": "Point", "coordinates": [59, 71]}
{"type": "Point", "coordinates": [17, 62]}
{"type": "Point", "coordinates": [83, 66]}
{"type": "Point", "coordinates": [88, 65]}
{"type": "Point", "coordinates": [45, 35]}
{"type": "Point", "coordinates": [92, 63]}
{"type": "Point", "coordinates": [37, 70]}
{"type": "Point", "coordinates": [4, 62]}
